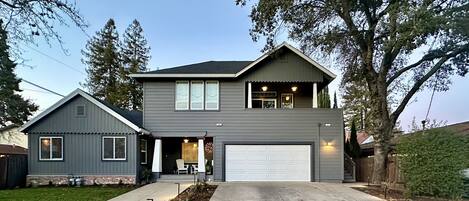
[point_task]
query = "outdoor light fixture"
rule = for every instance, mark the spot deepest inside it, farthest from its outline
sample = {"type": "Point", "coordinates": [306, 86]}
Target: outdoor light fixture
{"type": "Point", "coordinates": [264, 88]}
{"type": "Point", "coordinates": [186, 140]}
{"type": "Point", "coordinates": [287, 98]}
{"type": "Point", "coordinates": [294, 88]}
{"type": "Point", "coordinates": [328, 142]}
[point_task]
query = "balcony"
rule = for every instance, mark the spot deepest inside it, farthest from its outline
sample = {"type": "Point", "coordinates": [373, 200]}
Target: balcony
{"type": "Point", "coordinates": [282, 95]}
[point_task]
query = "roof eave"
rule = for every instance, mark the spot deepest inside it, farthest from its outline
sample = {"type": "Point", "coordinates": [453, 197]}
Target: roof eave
{"type": "Point", "coordinates": [89, 98]}
{"type": "Point", "coordinates": [175, 75]}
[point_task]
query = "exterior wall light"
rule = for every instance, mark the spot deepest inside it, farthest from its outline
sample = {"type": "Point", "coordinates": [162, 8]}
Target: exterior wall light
{"type": "Point", "coordinates": [264, 88]}
{"type": "Point", "coordinates": [328, 142]}
{"type": "Point", "coordinates": [294, 88]}
{"type": "Point", "coordinates": [186, 140]}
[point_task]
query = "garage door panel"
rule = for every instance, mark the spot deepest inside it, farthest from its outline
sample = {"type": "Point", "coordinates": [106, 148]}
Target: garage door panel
{"type": "Point", "coordinates": [267, 163]}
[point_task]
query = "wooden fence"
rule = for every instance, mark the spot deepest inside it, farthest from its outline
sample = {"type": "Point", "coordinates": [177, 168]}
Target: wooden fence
{"type": "Point", "coordinates": [394, 176]}
{"type": "Point", "coordinates": [13, 170]}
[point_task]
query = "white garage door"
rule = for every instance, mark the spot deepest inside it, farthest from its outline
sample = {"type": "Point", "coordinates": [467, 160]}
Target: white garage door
{"type": "Point", "coordinates": [268, 163]}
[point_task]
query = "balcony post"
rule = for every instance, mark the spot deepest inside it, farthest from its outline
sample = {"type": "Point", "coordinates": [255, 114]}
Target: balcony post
{"type": "Point", "coordinates": [249, 95]}
{"type": "Point", "coordinates": [315, 95]}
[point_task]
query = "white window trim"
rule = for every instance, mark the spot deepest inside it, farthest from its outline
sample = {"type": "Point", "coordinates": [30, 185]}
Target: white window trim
{"type": "Point", "coordinates": [203, 94]}
{"type": "Point", "coordinates": [292, 100]}
{"type": "Point", "coordinates": [146, 152]}
{"type": "Point", "coordinates": [218, 94]}
{"type": "Point", "coordinates": [114, 149]}
{"type": "Point", "coordinates": [50, 148]}
{"type": "Point", "coordinates": [188, 95]}
{"type": "Point", "coordinates": [267, 99]}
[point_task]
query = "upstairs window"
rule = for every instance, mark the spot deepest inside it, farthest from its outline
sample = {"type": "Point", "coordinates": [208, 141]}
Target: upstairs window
{"type": "Point", "coordinates": [51, 148]}
{"type": "Point", "coordinates": [182, 95]}
{"type": "Point", "coordinates": [80, 111]}
{"type": "Point", "coordinates": [211, 95]}
{"type": "Point", "coordinates": [197, 95]}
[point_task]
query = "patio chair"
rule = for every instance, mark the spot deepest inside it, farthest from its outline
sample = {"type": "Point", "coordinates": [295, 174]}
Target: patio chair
{"type": "Point", "coordinates": [181, 166]}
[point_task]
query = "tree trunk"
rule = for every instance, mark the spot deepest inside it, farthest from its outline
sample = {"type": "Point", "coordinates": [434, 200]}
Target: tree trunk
{"type": "Point", "coordinates": [379, 162]}
{"type": "Point", "coordinates": [381, 128]}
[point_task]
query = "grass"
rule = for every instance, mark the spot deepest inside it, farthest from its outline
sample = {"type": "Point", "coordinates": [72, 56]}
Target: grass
{"type": "Point", "coordinates": [64, 193]}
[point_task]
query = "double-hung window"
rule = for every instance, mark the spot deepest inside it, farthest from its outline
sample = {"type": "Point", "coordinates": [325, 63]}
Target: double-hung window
{"type": "Point", "coordinates": [114, 148]}
{"type": "Point", "coordinates": [197, 95]}
{"type": "Point", "coordinates": [211, 95]}
{"type": "Point", "coordinates": [182, 95]}
{"type": "Point", "coordinates": [51, 148]}
{"type": "Point", "coordinates": [143, 151]}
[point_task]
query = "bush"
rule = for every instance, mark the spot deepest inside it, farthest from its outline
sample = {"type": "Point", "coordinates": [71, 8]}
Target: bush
{"type": "Point", "coordinates": [432, 163]}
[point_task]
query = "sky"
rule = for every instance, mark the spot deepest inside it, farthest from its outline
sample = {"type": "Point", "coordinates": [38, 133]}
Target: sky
{"type": "Point", "coordinates": [183, 32]}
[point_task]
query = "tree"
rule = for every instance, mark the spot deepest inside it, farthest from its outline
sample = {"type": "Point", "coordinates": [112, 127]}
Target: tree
{"type": "Point", "coordinates": [356, 101]}
{"type": "Point", "coordinates": [27, 20]}
{"type": "Point", "coordinates": [136, 54]}
{"type": "Point", "coordinates": [324, 101]}
{"type": "Point", "coordinates": [335, 101]}
{"type": "Point", "coordinates": [353, 142]}
{"type": "Point", "coordinates": [376, 39]}
{"type": "Point", "coordinates": [104, 66]}
{"type": "Point", "coordinates": [14, 109]}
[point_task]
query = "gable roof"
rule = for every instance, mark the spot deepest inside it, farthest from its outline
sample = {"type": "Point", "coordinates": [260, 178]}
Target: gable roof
{"type": "Point", "coordinates": [133, 119]}
{"type": "Point", "coordinates": [224, 69]}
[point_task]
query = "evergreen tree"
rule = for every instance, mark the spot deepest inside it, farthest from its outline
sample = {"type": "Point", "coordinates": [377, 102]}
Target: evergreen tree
{"type": "Point", "coordinates": [353, 142]}
{"type": "Point", "coordinates": [324, 100]}
{"type": "Point", "coordinates": [356, 103]}
{"type": "Point", "coordinates": [14, 109]}
{"type": "Point", "coordinates": [105, 71]}
{"type": "Point", "coordinates": [335, 101]}
{"type": "Point", "coordinates": [135, 53]}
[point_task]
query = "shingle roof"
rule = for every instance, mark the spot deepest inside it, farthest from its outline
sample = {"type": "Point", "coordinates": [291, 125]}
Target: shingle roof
{"type": "Point", "coordinates": [134, 116]}
{"type": "Point", "coordinates": [208, 67]}
{"type": "Point", "coordinates": [12, 149]}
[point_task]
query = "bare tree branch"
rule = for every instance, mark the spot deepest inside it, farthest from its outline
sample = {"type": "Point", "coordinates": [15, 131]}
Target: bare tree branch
{"type": "Point", "coordinates": [422, 80]}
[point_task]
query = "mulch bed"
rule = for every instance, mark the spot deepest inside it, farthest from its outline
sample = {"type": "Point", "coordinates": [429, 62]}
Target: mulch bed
{"type": "Point", "coordinates": [392, 194]}
{"type": "Point", "coordinates": [199, 192]}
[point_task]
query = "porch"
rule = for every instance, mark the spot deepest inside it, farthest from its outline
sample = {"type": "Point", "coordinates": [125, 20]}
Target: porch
{"type": "Point", "coordinates": [181, 158]}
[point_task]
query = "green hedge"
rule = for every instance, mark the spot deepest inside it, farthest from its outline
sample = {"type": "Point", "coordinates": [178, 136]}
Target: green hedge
{"type": "Point", "coordinates": [432, 163]}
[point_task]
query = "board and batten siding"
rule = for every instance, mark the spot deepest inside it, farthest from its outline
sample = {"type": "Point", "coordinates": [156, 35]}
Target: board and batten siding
{"type": "Point", "coordinates": [82, 142]}
{"type": "Point", "coordinates": [242, 124]}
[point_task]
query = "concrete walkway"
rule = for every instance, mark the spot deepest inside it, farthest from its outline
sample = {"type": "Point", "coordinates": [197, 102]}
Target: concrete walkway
{"type": "Point", "coordinates": [288, 191]}
{"type": "Point", "coordinates": [158, 191]}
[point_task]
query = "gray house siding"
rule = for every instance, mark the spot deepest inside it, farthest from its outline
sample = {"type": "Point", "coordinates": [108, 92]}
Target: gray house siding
{"type": "Point", "coordinates": [82, 142]}
{"type": "Point", "coordinates": [286, 67]}
{"type": "Point", "coordinates": [64, 119]}
{"type": "Point", "coordinates": [241, 124]}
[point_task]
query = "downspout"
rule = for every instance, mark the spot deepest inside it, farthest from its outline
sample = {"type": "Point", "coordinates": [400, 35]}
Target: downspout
{"type": "Point", "coordinates": [319, 154]}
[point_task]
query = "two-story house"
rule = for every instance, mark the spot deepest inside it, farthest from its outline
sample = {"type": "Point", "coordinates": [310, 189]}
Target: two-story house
{"type": "Point", "coordinates": [227, 120]}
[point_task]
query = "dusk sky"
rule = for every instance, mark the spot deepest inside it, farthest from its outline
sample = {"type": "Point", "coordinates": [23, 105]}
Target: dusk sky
{"type": "Point", "coordinates": [183, 32]}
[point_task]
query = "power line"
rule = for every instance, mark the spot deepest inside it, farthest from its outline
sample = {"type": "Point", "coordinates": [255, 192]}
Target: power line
{"type": "Point", "coordinates": [43, 88]}
{"type": "Point", "coordinates": [56, 60]}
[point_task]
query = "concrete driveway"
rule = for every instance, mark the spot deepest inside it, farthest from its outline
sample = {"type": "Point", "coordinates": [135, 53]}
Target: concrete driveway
{"type": "Point", "coordinates": [286, 191]}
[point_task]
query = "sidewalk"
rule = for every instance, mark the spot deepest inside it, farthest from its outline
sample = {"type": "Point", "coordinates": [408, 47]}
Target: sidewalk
{"type": "Point", "coordinates": [158, 191]}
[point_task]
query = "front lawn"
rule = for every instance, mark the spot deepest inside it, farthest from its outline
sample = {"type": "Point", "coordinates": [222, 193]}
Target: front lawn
{"type": "Point", "coordinates": [64, 193]}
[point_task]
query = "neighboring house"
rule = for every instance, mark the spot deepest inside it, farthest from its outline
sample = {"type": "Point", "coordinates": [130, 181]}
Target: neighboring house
{"type": "Point", "coordinates": [9, 135]}
{"type": "Point", "coordinates": [368, 146]}
{"type": "Point", "coordinates": [246, 120]}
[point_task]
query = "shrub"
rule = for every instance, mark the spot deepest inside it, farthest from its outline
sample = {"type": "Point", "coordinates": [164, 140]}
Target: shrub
{"type": "Point", "coordinates": [432, 163]}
